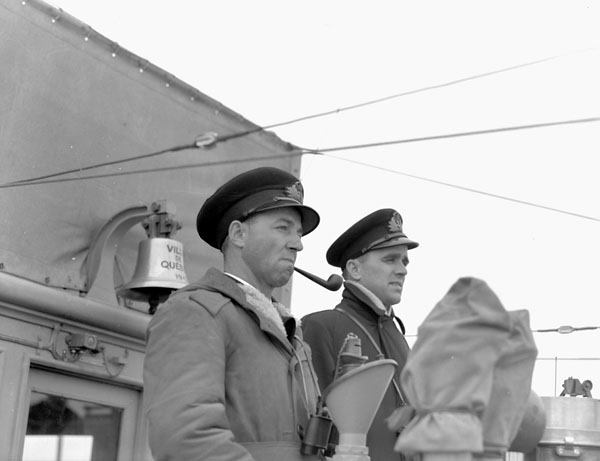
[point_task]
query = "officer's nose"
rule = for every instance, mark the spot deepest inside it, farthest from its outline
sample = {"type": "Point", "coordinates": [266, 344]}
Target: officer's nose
{"type": "Point", "coordinates": [296, 243]}
{"type": "Point", "coordinates": [401, 269]}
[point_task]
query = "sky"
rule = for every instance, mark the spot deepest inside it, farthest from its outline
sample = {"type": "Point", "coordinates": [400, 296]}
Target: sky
{"type": "Point", "coordinates": [516, 208]}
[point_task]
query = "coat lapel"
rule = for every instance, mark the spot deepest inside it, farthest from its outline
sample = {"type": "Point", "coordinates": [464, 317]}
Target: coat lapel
{"type": "Point", "coordinates": [233, 290]}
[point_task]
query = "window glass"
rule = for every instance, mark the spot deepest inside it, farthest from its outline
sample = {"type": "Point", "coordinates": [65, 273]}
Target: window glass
{"type": "Point", "coordinates": [64, 429]}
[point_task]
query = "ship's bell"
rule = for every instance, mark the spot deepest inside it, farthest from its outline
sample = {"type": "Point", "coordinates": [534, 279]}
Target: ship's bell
{"type": "Point", "coordinates": [158, 272]}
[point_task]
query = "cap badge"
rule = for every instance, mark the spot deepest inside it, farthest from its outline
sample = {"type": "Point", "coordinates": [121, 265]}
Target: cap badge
{"type": "Point", "coordinates": [395, 223]}
{"type": "Point", "coordinates": [295, 192]}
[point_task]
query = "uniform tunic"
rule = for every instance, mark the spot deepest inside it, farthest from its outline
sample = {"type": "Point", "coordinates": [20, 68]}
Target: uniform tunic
{"type": "Point", "coordinates": [221, 381]}
{"type": "Point", "coordinates": [325, 332]}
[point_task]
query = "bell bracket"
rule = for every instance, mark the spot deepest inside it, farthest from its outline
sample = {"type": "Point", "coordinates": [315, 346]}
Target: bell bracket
{"type": "Point", "coordinates": [161, 225]}
{"type": "Point", "coordinates": [99, 264]}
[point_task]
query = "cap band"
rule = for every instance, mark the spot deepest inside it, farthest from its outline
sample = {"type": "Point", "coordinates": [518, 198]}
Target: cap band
{"type": "Point", "coordinates": [380, 229]}
{"type": "Point", "coordinates": [254, 191]}
{"type": "Point", "coordinates": [252, 204]}
{"type": "Point", "coordinates": [387, 238]}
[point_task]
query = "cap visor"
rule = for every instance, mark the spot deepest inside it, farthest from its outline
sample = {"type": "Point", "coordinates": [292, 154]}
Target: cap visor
{"type": "Point", "coordinates": [397, 242]}
{"type": "Point", "coordinates": [310, 218]}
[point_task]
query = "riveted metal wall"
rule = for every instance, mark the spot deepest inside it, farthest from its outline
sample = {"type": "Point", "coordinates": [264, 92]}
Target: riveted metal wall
{"type": "Point", "coordinates": [70, 98]}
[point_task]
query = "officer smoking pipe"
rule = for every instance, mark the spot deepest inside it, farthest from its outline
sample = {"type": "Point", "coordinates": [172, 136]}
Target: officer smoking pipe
{"type": "Point", "coordinates": [333, 283]}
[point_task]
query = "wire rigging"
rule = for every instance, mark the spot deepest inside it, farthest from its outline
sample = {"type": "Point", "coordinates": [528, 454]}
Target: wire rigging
{"type": "Point", "coordinates": [46, 179]}
{"type": "Point", "coordinates": [458, 135]}
{"type": "Point", "coordinates": [289, 122]}
{"type": "Point", "coordinates": [411, 92]}
{"type": "Point", "coordinates": [565, 329]}
{"type": "Point", "coordinates": [300, 152]}
{"type": "Point", "coordinates": [296, 153]}
{"type": "Point", "coordinates": [468, 189]}
{"type": "Point", "coordinates": [98, 165]}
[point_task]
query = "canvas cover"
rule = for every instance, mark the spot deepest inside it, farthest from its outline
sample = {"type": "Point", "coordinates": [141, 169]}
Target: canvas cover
{"type": "Point", "coordinates": [468, 376]}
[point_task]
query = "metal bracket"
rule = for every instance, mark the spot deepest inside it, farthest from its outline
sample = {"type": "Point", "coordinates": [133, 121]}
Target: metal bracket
{"type": "Point", "coordinates": [99, 264]}
{"type": "Point", "coordinates": [568, 450]}
{"type": "Point", "coordinates": [84, 348]}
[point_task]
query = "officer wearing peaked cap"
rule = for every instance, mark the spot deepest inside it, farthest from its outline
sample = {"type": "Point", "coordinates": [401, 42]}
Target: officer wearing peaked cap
{"type": "Point", "coordinates": [373, 257]}
{"type": "Point", "coordinates": [250, 193]}
{"type": "Point", "coordinates": [227, 375]}
{"type": "Point", "coordinates": [380, 229]}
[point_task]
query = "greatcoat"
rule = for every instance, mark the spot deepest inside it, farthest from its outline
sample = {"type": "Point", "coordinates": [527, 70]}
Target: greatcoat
{"type": "Point", "coordinates": [325, 332]}
{"type": "Point", "coordinates": [222, 382]}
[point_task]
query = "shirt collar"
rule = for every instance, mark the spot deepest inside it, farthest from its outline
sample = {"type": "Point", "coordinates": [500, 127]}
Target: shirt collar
{"type": "Point", "coordinates": [238, 279]}
{"type": "Point", "coordinates": [375, 301]}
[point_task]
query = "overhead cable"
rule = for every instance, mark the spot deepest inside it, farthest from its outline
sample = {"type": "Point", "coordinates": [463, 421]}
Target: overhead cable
{"type": "Point", "coordinates": [258, 129]}
{"type": "Point", "coordinates": [298, 153]}
{"type": "Point", "coordinates": [408, 93]}
{"type": "Point", "coordinates": [564, 329]}
{"type": "Point", "coordinates": [156, 170]}
{"type": "Point", "coordinates": [44, 179]}
{"type": "Point", "coordinates": [321, 152]}
{"type": "Point", "coordinates": [386, 98]}
{"type": "Point", "coordinates": [467, 189]}
{"type": "Point", "coordinates": [457, 135]}
{"type": "Point", "coordinates": [98, 165]}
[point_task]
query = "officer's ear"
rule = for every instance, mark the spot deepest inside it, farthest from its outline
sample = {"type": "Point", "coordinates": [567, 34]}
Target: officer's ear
{"type": "Point", "coordinates": [237, 233]}
{"type": "Point", "coordinates": [353, 269]}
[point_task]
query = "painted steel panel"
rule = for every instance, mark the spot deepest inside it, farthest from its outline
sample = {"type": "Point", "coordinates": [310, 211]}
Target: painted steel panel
{"type": "Point", "coordinates": [70, 98]}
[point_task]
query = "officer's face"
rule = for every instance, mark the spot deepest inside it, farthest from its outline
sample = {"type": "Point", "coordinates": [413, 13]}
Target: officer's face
{"type": "Point", "coordinates": [271, 243]}
{"type": "Point", "coordinates": [383, 272]}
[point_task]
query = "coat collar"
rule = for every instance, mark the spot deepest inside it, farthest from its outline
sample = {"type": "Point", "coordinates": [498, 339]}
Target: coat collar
{"type": "Point", "coordinates": [361, 301]}
{"type": "Point", "coordinates": [283, 329]}
{"type": "Point", "coordinates": [366, 297]}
